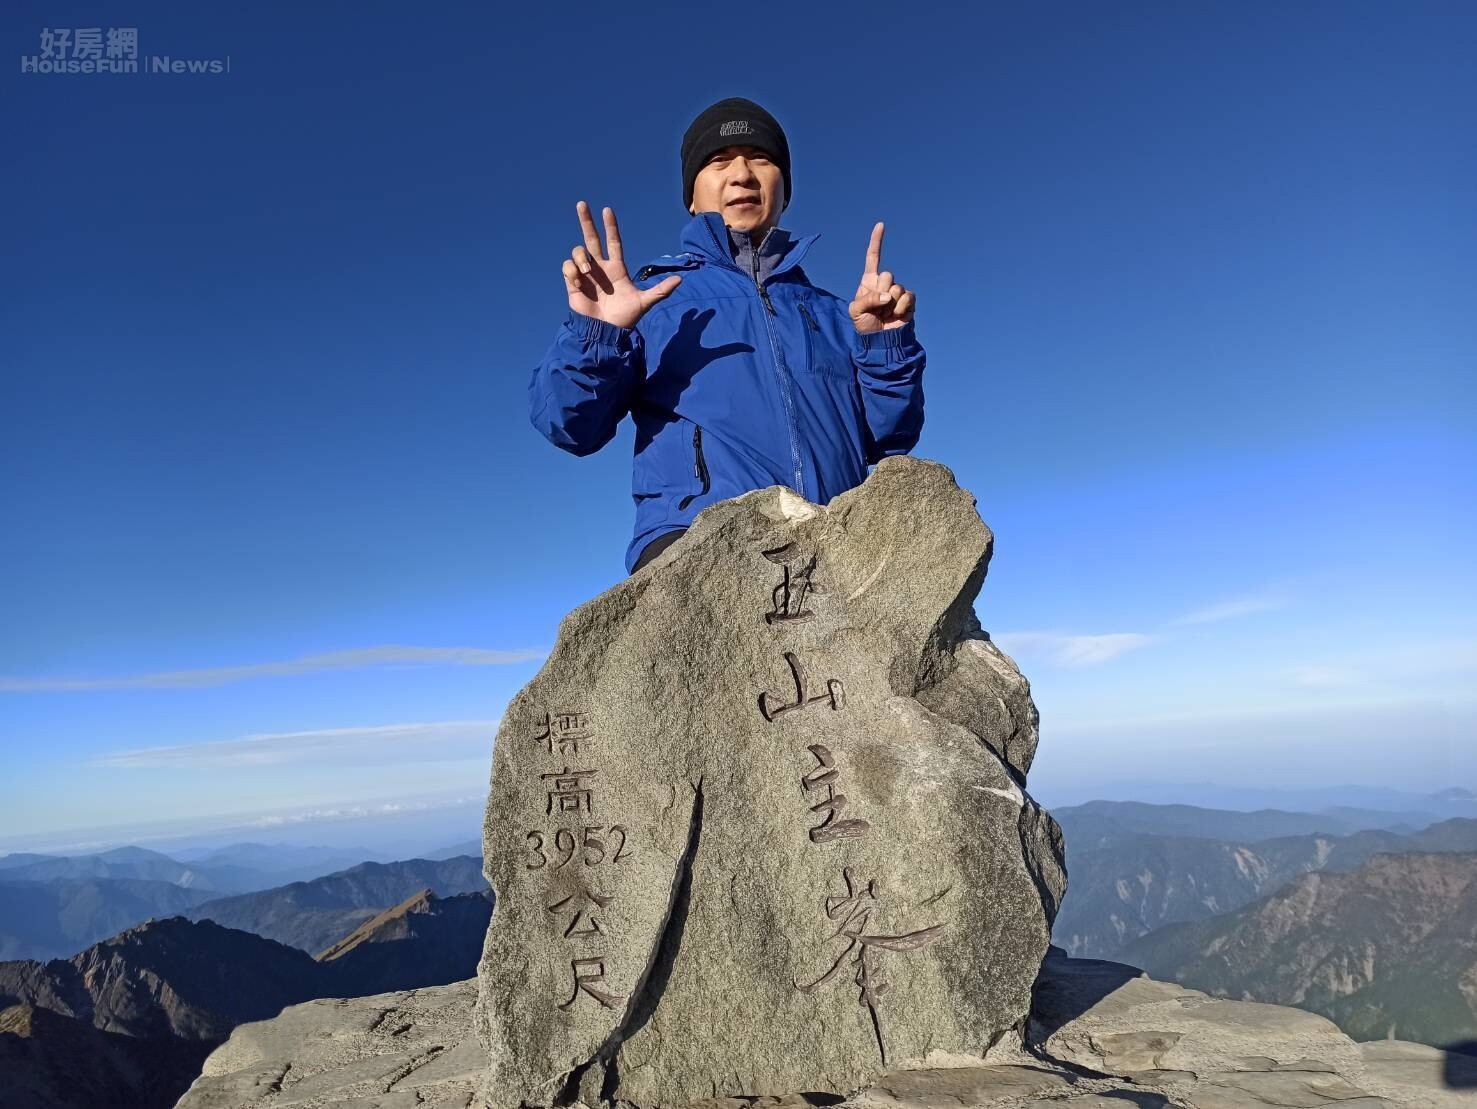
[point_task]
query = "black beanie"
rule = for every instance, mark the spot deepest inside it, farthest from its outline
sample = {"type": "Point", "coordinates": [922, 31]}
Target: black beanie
{"type": "Point", "coordinates": [732, 122]}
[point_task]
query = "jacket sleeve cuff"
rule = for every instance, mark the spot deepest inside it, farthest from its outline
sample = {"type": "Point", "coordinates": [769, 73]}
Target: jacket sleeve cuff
{"type": "Point", "coordinates": [890, 345]}
{"type": "Point", "coordinates": [589, 329]}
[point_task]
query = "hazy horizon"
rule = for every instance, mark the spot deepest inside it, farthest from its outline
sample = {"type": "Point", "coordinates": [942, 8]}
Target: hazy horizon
{"type": "Point", "coordinates": [380, 825]}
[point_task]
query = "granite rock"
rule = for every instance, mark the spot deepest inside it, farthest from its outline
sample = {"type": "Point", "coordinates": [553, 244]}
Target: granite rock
{"type": "Point", "coordinates": [419, 1048]}
{"type": "Point", "coordinates": [759, 824]}
{"type": "Point", "coordinates": [409, 1048]}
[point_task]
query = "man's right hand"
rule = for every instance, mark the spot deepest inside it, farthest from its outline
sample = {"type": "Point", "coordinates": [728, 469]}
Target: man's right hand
{"type": "Point", "coordinates": [599, 286]}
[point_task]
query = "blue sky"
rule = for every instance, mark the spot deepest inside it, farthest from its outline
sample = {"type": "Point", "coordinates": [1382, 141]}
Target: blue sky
{"type": "Point", "coordinates": [1195, 282]}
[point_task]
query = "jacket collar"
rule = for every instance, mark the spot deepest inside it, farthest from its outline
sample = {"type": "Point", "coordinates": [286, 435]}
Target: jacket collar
{"type": "Point", "coordinates": [706, 234]}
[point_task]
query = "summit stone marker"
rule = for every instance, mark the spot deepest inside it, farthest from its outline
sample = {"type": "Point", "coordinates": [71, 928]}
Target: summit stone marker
{"type": "Point", "coordinates": [759, 824]}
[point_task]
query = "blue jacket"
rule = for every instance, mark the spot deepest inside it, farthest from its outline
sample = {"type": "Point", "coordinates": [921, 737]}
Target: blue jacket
{"type": "Point", "coordinates": [734, 384]}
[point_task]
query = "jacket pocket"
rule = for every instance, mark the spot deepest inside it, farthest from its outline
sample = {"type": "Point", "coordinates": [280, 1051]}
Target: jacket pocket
{"type": "Point", "coordinates": [821, 356]}
{"type": "Point", "coordinates": [699, 468]}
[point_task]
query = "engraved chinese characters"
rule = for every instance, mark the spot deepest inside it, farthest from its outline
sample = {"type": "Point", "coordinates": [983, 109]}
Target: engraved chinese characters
{"type": "Point", "coordinates": [568, 790]}
{"type": "Point", "coordinates": [587, 974]}
{"type": "Point", "coordinates": [855, 908]}
{"type": "Point", "coordinates": [581, 848]}
{"type": "Point", "coordinates": [563, 732]}
{"type": "Point", "coordinates": [572, 905]}
{"type": "Point", "coordinates": [789, 596]}
{"type": "Point", "coordinates": [833, 692]}
{"type": "Point", "coordinates": [833, 803]}
{"type": "Point", "coordinates": [702, 893]}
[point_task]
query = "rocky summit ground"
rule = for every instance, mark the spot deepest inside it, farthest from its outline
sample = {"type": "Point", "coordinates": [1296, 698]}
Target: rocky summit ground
{"type": "Point", "coordinates": [1101, 1036]}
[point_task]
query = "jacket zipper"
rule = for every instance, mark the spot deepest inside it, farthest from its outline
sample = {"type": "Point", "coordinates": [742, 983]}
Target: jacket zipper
{"type": "Point", "coordinates": [774, 352]}
{"type": "Point", "coordinates": [754, 256]}
{"type": "Point", "coordinates": [763, 295]}
{"type": "Point", "coordinates": [699, 469]}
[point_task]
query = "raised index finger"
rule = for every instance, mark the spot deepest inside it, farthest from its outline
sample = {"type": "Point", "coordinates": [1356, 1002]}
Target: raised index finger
{"type": "Point", "coordinates": [874, 250]}
{"type": "Point", "coordinates": [587, 222]}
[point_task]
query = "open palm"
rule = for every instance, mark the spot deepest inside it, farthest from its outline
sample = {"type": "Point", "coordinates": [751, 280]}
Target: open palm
{"type": "Point", "coordinates": [598, 284]}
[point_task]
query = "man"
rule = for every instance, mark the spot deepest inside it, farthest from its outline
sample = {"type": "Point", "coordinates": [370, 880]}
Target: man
{"type": "Point", "coordinates": [738, 372]}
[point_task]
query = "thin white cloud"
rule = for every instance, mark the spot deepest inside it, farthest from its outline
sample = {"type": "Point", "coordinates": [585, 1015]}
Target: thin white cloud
{"type": "Point", "coordinates": [1389, 665]}
{"type": "Point", "coordinates": [387, 743]}
{"type": "Point", "coordinates": [1092, 650]}
{"type": "Point", "coordinates": [357, 812]}
{"type": "Point", "coordinates": [1072, 650]}
{"type": "Point", "coordinates": [1013, 643]}
{"type": "Point", "coordinates": [1323, 677]}
{"type": "Point", "coordinates": [1229, 610]}
{"type": "Point", "coordinates": [355, 659]}
{"type": "Point", "coordinates": [169, 834]}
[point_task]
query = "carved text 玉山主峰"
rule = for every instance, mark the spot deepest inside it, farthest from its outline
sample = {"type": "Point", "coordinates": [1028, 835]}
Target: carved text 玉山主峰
{"type": "Point", "coordinates": [771, 708]}
{"type": "Point", "coordinates": [832, 804]}
{"type": "Point", "coordinates": [854, 909]}
{"type": "Point", "coordinates": [788, 597]}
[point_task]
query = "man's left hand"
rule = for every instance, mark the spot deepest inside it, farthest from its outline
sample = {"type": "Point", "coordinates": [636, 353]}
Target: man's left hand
{"type": "Point", "coordinates": [880, 303]}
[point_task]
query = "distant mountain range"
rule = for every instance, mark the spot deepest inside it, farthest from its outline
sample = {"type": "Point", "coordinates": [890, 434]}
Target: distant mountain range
{"type": "Point", "coordinates": [285, 862]}
{"type": "Point", "coordinates": [47, 919]}
{"type": "Point", "coordinates": [1365, 914]}
{"type": "Point", "coordinates": [122, 862]}
{"type": "Point", "coordinates": [1374, 928]}
{"type": "Point", "coordinates": [128, 1022]}
{"type": "Point", "coordinates": [1099, 823]}
{"type": "Point", "coordinates": [53, 906]}
{"type": "Point", "coordinates": [1125, 879]}
{"type": "Point", "coordinates": [469, 847]}
{"type": "Point", "coordinates": [313, 915]}
{"type": "Point", "coordinates": [425, 940]}
{"type": "Point", "coordinates": [1385, 807]}
{"type": "Point", "coordinates": [1388, 949]}
{"type": "Point", "coordinates": [239, 868]}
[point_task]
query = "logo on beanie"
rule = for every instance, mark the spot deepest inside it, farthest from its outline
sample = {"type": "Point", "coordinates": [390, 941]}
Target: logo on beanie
{"type": "Point", "coordinates": [735, 127]}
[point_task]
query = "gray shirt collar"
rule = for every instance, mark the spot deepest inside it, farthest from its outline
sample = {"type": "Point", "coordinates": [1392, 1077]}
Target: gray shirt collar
{"type": "Point", "coordinates": [772, 247]}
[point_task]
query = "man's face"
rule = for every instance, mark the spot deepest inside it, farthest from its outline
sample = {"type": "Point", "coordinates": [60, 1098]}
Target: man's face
{"type": "Point", "coordinates": [743, 184]}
